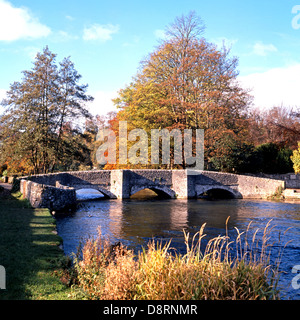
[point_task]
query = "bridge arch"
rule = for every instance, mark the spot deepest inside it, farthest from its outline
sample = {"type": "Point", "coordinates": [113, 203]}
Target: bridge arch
{"type": "Point", "coordinates": [88, 194]}
{"type": "Point", "coordinates": [107, 194]}
{"type": "Point", "coordinates": [218, 192]}
{"type": "Point", "coordinates": [159, 190]}
{"type": "Point", "coordinates": [121, 184]}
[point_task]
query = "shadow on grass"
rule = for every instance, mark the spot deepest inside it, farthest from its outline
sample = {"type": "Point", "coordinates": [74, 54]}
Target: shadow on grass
{"type": "Point", "coordinates": [29, 251]}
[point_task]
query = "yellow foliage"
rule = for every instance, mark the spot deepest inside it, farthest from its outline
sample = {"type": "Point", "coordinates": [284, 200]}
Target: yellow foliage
{"type": "Point", "coordinates": [296, 159]}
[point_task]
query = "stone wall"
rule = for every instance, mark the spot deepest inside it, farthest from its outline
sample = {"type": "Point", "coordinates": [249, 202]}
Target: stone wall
{"type": "Point", "coordinates": [46, 196]}
{"type": "Point", "coordinates": [57, 190]}
{"type": "Point", "coordinates": [292, 180]}
{"type": "Point", "coordinates": [117, 185]}
{"type": "Point", "coordinates": [163, 177]}
{"type": "Point", "coordinates": [241, 186]}
{"type": "Point", "coordinates": [182, 185]}
{"type": "Point", "coordinates": [158, 180]}
{"type": "Point", "coordinates": [259, 188]}
{"type": "Point", "coordinates": [101, 177]}
{"type": "Point", "coordinates": [124, 183]}
{"type": "Point", "coordinates": [291, 194]}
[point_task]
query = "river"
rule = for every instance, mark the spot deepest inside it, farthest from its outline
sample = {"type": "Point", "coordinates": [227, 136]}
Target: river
{"type": "Point", "coordinates": [135, 222]}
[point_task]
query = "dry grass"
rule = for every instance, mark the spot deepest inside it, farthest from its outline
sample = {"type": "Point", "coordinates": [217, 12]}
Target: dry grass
{"type": "Point", "coordinates": [113, 272]}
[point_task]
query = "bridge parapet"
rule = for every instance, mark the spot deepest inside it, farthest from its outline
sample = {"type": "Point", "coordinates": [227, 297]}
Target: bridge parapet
{"type": "Point", "coordinates": [121, 184]}
{"type": "Point", "coordinates": [47, 196]}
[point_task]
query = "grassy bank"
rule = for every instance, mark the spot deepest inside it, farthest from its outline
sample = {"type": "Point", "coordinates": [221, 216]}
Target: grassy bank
{"type": "Point", "coordinates": [36, 267]}
{"type": "Point", "coordinates": [29, 251]}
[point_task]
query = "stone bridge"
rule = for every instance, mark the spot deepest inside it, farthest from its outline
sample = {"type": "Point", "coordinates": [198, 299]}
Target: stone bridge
{"type": "Point", "coordinates": [58, 190]}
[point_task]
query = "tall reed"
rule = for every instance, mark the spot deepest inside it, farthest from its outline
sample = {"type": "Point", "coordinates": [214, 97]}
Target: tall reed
{"type": "Point", "coordinates": [223, 269]}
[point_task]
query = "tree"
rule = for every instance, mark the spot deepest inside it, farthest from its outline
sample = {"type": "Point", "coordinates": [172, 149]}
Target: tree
{"type": "Point", "coordinates": [279, 125]}
{"type": "Point", "coordinates": [188, 83]}
{"type": "Point", "coordinates": [296, 159]}
{"type": "Point", "coordinates": [271, 158]}
{"type": "Point", "coordinates": [235, 158]}
{"type": "Point", "coordinates": [37, 109]}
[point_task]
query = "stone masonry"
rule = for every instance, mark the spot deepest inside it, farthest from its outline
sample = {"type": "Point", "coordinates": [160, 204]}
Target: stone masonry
{"type": "Point", "coordinates": [58, 190]}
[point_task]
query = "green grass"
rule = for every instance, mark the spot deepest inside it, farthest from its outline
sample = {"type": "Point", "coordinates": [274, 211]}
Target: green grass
{"type": "Point", "coordinates": [29, 251]}
{"type": "Point", "coordinates": [36, 267]}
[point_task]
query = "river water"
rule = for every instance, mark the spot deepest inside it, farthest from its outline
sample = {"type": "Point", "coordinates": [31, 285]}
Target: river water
{"type": "Point", "coordinates": [135, 222]}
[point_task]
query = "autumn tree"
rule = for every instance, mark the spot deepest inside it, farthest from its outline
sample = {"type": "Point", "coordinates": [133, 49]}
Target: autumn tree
{"type": "Point", "coordinates": [37, 111]}
{"type": "Point", "coordinates": [187, 82]}
{"type": "Point", "coordinates": [280, 125]}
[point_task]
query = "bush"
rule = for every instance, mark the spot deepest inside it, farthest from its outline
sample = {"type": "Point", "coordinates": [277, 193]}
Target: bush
{"type": "Point", "coordinates": [15, 185]}
{"type": "Point", "coordinates": [244, 158]}
{"type": "Point", "coordinates": [285, 164]}
{"type": "Point", "coordinates": [237, 160]}
{"type": "Point", "coordinates": [270, 158]}
{"type": "Point", "coordinates": [2, 169]}
{"type": "Point", "coordinates": [296, 159]}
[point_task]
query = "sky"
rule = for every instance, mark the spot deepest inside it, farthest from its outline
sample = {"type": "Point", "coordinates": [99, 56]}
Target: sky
{"type": "Point", "coordinates": [106, 40]}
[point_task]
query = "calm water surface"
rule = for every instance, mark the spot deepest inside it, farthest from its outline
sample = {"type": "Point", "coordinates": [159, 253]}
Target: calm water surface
{"type": "Point", "coordinates": [135, 222]}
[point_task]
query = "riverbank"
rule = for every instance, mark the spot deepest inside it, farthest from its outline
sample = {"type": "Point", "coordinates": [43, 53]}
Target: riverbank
{"type": "Point", "coordinates": [29, 251]}
{"type": "Point", "coordinates": [35, 266]}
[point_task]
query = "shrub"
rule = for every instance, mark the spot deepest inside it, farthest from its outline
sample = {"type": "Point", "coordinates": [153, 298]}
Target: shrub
{"type": "Point", "coordinates": [296, 159]}
{"type": "Point", "coordinates": [114, 272]}
{"type": "Point", "coordinates": [270, 158]}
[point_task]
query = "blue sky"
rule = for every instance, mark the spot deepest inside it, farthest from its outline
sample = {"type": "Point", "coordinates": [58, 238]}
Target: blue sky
{"type": "Point", "coordinates": [107, 39]}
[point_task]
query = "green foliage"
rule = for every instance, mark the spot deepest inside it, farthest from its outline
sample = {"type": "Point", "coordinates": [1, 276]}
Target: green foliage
{"type": "Point", "coordinates": [278, 195]}
{"type": "Point", "coordinates": [15, 185]}
{"type": "Point", "coordinates": [285, 164]}
{"type": "Point", "coordinates": [39, 129]}
{"type": "Point", "coordinates": [236, 159]}
{"type": "Point", "coordinates": [2, 169]}
{"type": "Point", "coordinates": [270, 158]}
{"type": "Point", "coordinates": [242, 157]}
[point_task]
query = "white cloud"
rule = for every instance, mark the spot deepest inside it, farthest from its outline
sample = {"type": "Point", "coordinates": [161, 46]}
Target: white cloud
{"type": "Point", "coordinates": [70, 18]}
{"type": "Point", "coordinates": [262, 49]}
{"type": "Point", "coordinates": [274, 87]}
{"type": "Point", "coordinates": [62, 36]}
{"type": "Point", "coordinates": [102, 103]}
{"type": "Point", "coordinates": [19, 23]}
{"type": "Point", "coordinates": [100, 32]}
{"type": "Point", "coordinates": [160, 34]}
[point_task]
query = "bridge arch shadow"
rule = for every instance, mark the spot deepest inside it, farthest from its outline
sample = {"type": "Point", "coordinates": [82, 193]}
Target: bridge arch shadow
{"type": "Point", "coordinates": [151, 192]}
{"type": "Point", "coordinates": [218, 193]}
